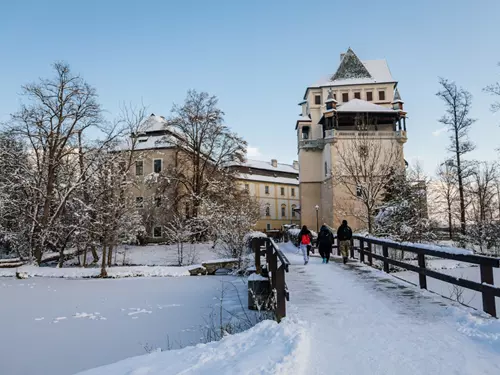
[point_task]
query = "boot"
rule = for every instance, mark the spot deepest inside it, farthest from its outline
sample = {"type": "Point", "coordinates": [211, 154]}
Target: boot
{"type": "Point", "coordinates": [345, 260]}
{"type": "Point", "coordinates": [324, 260]}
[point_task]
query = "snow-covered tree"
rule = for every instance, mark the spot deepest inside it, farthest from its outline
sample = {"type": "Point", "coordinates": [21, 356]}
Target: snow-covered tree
{"type": "Point", "coordinates": [403, 214]}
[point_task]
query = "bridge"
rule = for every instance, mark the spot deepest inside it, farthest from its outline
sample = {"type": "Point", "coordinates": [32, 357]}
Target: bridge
{"type": "Point", "coordinates": [365, 321]}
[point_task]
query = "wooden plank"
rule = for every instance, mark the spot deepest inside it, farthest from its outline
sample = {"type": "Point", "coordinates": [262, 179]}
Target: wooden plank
{"type": "Point", "coordinates": [362, 253]}
{"type": "Point", "coordinates": [385, 258]}
{"type": "Point", "coordinates": [256, 250]}
{"type": "Point", "coordinates": [421, 276]}
{"type": "Point", "coordinates": [488, 298]}
{"type": "Point", "coordinates": [280, 293]}
{"type": "Point", "coordinates": [471, 258]}
{"type": "Point", "coordinates": [370, 258]}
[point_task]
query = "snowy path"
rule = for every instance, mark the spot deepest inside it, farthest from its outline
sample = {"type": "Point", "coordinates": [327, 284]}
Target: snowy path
{"type": "Point", "coordinates": [363, 322]}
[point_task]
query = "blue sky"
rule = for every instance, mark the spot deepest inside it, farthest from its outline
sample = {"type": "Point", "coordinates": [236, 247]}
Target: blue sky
{"type": "Point", "coordinates": [258, 57]}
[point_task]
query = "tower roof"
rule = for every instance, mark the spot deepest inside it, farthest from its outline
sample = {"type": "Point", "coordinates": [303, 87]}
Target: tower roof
{"type": "Point", "coordinates": [350, 67]}
{"type": "Point", "coordinates": [397, 97]}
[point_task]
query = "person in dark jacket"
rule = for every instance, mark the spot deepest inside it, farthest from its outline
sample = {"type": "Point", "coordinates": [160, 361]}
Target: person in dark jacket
{"type": "Point", "coordinates": [344, 235]}
{"type": "Point", "coordinates": [325, 243]}
{"type": "Point", "coordinates": [305, 239]}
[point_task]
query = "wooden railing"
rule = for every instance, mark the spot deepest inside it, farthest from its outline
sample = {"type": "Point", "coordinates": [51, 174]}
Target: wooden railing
{"type": "Point", "coordinates": [275, 271]}
{"type": "Point", "coordinates": [365, 246]}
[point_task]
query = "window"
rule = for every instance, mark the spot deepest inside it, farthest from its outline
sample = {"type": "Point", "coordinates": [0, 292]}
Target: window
{"type": "Point", "coordinates": [247, 187]}
{"type": "Point", "coordinates": [293, 210]}
{"type": "Point", "coordinates": [268, 211]}
{"type": "Point", "coordinates": [317, 99]}
{"type": "Point", "coordinates": [381, 95]}
{"type": "Point", "coordinates": [282, 191]}
{"type": "Point", "coordinates": [157, 165]}
{"type": "Point", "coordinates": [335, 96]}
{"type": "Point", "coordinates": [283, 210]}
{"type": "Point", "coordinates": [369, 96]}
{"type": "Point", "coordinates": [359, 190]}
{"type": "Point", "coordinates": [157, 232]}
{"type": "Point", "coordinates": [268, 226]}
{"type": "Point", "coordinates": [139, 168]}
{"type": "Point", "coordinates": [357, 95]}
{"type": "Point", "coordinates": [158, 201]}
{"type": "Point", "coordinates": [293, 192]}
{"type": "Point", "coordinates": [266, 189]}
{"type": "Point", "coordinates": [326, 169]}
{"type": "Point", "coordinates": [345, 97]}
{"type": "Point", "coordinates": [139, 202]}
{"type": "Point", "coordinates": [305, 132]}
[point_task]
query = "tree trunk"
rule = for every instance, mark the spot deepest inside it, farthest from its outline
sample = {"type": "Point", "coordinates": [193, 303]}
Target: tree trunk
{"type": "Point", "coordinates": [85, 256]}
{"type": "Point", "coordinates": [450, 229]}
{"type": "Point", "coordinates": [460, 184]}
{"type": "Point", "coordinates": [94, 254]}
{"type": "Point", "coordinates": [61, 258]}
{"type": "Point", "coordinates": [110, 255]}
{"type": "Point", "coordinates": [103, 263]}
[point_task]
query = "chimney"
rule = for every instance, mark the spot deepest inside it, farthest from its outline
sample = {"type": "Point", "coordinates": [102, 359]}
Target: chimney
{"type": "Point", "coordinates": [274, 163]}
{"type": "Point", "coordinates": [296, 165]}
{"type": "Point", "coordinates": [342, 56]}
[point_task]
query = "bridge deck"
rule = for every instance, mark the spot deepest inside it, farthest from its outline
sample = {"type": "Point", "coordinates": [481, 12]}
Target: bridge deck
{"type": "Point", "coordinates": [365, 322]}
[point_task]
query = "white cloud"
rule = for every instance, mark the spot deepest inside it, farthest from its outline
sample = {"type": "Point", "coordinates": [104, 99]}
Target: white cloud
{"type": "Point", "coordinates": [437, 133]}
{"type": "Point", "coordinates": [253, 152]}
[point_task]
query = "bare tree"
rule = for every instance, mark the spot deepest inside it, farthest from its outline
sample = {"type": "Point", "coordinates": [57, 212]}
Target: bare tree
{"type": "Point", "coordinates": [494, 89]}
{"type": "Point", "coordinates": [458, 104]}
{"type": "Point", "coordinates": [446, 193]}
{"type": "Point", "coordinates": [206, 146]}
{"type": "Point", "coordinates": [483, 191]}
{"type": "Point", "coordinates": [364, 164]}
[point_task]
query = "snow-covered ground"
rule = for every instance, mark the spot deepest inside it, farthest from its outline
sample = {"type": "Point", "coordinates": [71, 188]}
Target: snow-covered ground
{"type": "Point", "coordinates": [159, 255]}
{"type": "Point", "coordinates": [60, 326]}
{"type": "Point", "coordinates": [343, 320]}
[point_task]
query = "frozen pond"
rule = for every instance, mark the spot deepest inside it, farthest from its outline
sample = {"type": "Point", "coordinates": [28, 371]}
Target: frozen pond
{"type": "Point", "coordinates": [57, 326]}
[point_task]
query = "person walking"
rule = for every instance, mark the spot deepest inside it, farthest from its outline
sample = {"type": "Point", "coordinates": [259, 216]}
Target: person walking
{"type": "Point", "coordinates": [325, 243]}
{"type": "Point", "coordinates": [305, 237]}
{"type": "Point", "coordinates": [344, 235]}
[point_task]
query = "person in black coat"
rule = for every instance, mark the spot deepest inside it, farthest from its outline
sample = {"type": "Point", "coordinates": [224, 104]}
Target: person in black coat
{"type": "Point", "coordinates": [325, 243]}
{"type": "Point", "coordinates": [344, 236]}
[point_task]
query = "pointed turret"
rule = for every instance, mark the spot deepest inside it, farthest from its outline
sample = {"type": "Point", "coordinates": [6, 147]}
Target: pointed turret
{"type": "Point", "coordinates": [330, 101]}
{"type": "Point", "coordinates": [350, 67]}
{"type": "Point", "coordinates": [397, 103]}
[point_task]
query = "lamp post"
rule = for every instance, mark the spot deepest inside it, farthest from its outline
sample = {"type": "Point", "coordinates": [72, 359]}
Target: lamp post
{"type": "Point", "coordinates": [317, 220]}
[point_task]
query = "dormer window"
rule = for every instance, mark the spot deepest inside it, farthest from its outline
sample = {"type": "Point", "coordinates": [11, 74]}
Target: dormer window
{"type": "Point", "coordinates": [317, 99]}
{"type": "Point", "coordinates": [381, 95]}
{"type": "Point", "coordinates": [369, 96]}
{"type": "Point", "coordinates": [345, 97]}
{"type": "Point", "coordinates": [357, 95]}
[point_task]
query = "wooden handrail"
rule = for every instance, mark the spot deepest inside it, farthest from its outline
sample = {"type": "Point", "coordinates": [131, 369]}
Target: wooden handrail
{"type": "Point", "coordinates": [486, 287]}
{"type": "Point", "coordinates": [276, 272]}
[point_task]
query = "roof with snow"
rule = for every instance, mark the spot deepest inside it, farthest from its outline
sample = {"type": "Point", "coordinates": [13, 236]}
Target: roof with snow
{"type": "Point", "coordinates": [304, 118]}
{"type": "Point", "coordinates": [397, 97]}
{"type": "Point", "coordinates": [275, 180]}
{"type": "Point", "coordinates": [353, 71]}
{"type": "Point", "coordinates": [359, 105]}
{"type": "Point", "coordinates": [267, 165]}
{"type": "Point", "coordinates": [154, 123]}
{"type": "Point", "coordinates": [148, 142]}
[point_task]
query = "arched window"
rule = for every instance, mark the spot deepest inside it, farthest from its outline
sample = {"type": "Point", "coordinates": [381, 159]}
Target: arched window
{"type": "Point", "coordinates": [283, 210]}
{"type": "Point", "coordinates": [268, 211]}
{"type": "Point", "coordinates": [293, 210]}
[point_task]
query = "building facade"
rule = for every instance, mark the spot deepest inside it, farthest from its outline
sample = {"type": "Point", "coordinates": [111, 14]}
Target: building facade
{"type": "Point", "coordinates": [276, 186]}
{"type": "Point", "coordinates": [360, 101]}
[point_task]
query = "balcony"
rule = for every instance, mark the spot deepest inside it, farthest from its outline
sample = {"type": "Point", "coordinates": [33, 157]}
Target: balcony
{"type": "Point", "coordinates": [312, 144]}
{"type": "Point", "coordinates": [333, 135]}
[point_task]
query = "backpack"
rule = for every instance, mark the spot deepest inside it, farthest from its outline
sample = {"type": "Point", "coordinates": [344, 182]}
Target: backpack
{"type": "Point", "coordinates": [305, 240]}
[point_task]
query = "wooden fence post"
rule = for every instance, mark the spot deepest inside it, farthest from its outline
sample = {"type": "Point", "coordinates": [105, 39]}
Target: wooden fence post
{"type": "Point", "coordinates": [338, 246]}
{"type": "Point", "coordinates": [421, 277]}
{"type": "Point", "coordinates": [361, 251]}
{"type": "Point", "coordinates": [256, 242]}
{"type": "Point", "coordinates": [352, 248]}
{"type": "Point", "coordinates": [370, 259]}
{"type": "Point", "coordinates": [385, 253]}
{"type": "Point", "coordinates": [280, 293]}
{"type": "Point", "coordinates": [488, 298]}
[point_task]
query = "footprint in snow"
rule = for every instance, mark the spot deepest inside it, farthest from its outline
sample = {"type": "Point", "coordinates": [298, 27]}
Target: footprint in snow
{"type": "Point", "coordinates": [42, 318]}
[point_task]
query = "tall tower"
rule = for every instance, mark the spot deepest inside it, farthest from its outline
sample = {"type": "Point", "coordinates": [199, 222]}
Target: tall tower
{"type": "Point", "coordinates": [358, 103]}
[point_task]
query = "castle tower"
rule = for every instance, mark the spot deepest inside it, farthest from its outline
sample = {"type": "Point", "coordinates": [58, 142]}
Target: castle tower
{"type": "Point", "coordinates": [353, 103]}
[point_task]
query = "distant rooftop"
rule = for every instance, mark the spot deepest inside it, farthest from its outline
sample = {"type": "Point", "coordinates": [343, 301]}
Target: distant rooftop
{"type": "Point", "coordinates": [272, 165]}
{"type": "Point", "coordinates": [353, 71]}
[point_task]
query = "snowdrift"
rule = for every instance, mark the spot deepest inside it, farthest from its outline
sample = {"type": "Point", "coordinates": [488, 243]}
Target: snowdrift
{"type": "Point", "coordinates": [267, 348]}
